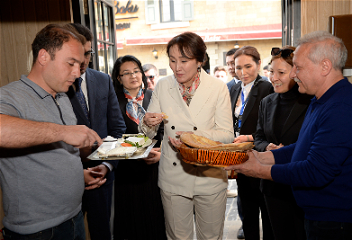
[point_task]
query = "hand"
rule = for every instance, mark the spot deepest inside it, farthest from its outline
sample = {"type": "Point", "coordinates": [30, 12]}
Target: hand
{"type": "Point", "coordinates": [101, 170]}
{"type": "Point", "coordinates": [243, 138]}
{"type": "Point", "coordinates": [79, 136]}
{"type": "Point", "coordinates": [273, 146]}
{"type": "Point", "coordinates": [266, 158]}
{"type": "Point", "coordinates": [94, 177]}
{"type": "Point", "coordinates": [252, 168]}
{"type": "Point", "coordinates": [153, 119]}
{"type": "Point", "coordinates": [177, 142]}
{"type": "Point", "coordinates": [84, 153]}
{"type": "Point", "coordinates": [153, 157]}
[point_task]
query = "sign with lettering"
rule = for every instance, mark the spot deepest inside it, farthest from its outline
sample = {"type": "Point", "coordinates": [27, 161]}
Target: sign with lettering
{"type": "Point", "coordinates": [129, 8]}
{"type": "Point", "coordinates": [122, 26]}
{"type": "Point", "coordinates": [125, 11]}
{"type": "Point", "coordinates": [208, 38]}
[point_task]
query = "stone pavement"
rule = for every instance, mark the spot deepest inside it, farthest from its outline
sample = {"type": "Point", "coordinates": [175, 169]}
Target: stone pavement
{"type": "Point", "coordinates": [232, 220]}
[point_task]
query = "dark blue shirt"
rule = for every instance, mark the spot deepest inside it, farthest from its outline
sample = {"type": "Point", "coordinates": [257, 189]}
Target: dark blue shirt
{"type": "Point", "coordinates": [319, 164]}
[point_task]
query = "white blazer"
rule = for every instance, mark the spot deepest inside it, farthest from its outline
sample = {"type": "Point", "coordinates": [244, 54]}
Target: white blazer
{"type": "Point", "coordinates": [209, 114]}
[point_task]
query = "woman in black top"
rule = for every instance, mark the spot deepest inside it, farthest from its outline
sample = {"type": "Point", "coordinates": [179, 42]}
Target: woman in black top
{"type": "Point", "coordinates": [281, 115]}
{"type": "Point", "coordinates": [138, 209]}
{"type": "Point", "coordinates": [245, 99]}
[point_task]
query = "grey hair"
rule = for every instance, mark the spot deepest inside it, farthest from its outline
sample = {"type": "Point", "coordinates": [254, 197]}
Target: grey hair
{"type": "Point", "coordinates": [148, 66]}
{"type": "Point", "coordinates": [325, 45]}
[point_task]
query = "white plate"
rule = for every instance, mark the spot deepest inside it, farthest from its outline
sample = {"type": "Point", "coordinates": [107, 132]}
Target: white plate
{"type": "Point", "coordinates": [140, 153]}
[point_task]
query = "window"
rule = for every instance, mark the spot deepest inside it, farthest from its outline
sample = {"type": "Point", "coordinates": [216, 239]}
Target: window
{"type": "Point", "coordinates": [170, 10]}
{"type": "Point", "coordinates": [104, 26]}
{"type": "Point", "coordinates": [291, 22]}
{"type": "Point", "coordinates": [166, 11]}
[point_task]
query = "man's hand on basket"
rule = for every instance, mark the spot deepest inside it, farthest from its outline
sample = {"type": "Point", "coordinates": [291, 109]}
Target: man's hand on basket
{"type": "Point", "coordinates": [252, 167]}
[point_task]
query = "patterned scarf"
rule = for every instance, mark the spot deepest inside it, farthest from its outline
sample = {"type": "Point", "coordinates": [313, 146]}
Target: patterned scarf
{"type": "Point", "coordinates": [134, 109]}
{"type": "Point", "coordinates": [188, 92]}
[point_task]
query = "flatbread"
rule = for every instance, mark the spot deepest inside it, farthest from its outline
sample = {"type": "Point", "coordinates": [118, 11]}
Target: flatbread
{"type": "Point", "coordinates": [165, 116]}
{"type": "Point", "coordinates": [245, 146]}
{"type": "Point", "coordinates": [196, 141]}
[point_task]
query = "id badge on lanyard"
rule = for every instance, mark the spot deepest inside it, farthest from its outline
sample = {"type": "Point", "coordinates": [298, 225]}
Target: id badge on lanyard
{"type": "Point", "coordinates": [244, 103]}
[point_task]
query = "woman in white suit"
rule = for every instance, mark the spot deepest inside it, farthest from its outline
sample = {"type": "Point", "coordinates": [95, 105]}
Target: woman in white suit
{"type": "Point", "coordinates": [194, 102]}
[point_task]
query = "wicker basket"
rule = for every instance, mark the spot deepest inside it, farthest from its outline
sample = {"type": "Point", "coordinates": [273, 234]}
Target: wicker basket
{"type": "Point", "coordinates": [216, 158]}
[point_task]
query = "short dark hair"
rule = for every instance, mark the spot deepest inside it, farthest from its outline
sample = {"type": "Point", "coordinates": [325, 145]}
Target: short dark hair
{"type": "Point", "coordinates": [266, 67]}
{"type": "Point", "coordinates": [52, 37]}
{"type": "Point", "coordinates": [190, 45]}
{"type": "Point", "coordinates": [116, 72]}
{"type": "Point", "coordinates": [249, 51]}
{"type": "Point", "coordinates": [231, 52]}
{"type": "Point", "coordinates": [83, 30]}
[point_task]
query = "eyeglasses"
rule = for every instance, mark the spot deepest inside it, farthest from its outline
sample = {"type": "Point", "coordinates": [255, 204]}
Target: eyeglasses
{"type": "Point", "coordinates": [284, 52]}
{"type": "Point", "coordinates": [89, 53]}
{"type": "Point", "coordinates": [151, 77]}
{"type": "Point", "coordinates": [137, 72]}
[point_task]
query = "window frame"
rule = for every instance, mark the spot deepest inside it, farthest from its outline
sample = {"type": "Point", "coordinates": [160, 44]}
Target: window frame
{"type": "Point", "coordinates": [153, 10]}
{"type": "Point", "coordinates": [105, 43]}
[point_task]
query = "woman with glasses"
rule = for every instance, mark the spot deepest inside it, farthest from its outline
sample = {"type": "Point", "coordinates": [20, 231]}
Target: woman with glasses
{"type": "Point", "coordinates": [245, 99]}
{"type": "Point", "coordinates": [194, 102]}
{"type": "Point", "coordinates": [281, 115]}
{"type": "Point", "coordinates": [138, 208]}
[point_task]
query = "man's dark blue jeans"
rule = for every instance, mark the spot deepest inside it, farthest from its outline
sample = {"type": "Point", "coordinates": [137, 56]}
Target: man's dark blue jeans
{"type": "Point", "coordinates": [72, 229]}
{"type": "Point", "coordinates": [325, 230]}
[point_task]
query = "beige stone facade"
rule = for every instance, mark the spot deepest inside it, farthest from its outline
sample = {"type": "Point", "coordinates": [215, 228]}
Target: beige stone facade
{"type": "Point", "coordinates": [220, 23]}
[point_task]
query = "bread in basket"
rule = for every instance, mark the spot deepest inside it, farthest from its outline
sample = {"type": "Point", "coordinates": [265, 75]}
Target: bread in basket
{"type": "Point", "coordinates": [199, 150]}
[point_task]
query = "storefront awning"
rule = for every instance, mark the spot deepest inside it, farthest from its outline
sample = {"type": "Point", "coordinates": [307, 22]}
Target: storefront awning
{"type": "Point", "coordinates": [270, 31]}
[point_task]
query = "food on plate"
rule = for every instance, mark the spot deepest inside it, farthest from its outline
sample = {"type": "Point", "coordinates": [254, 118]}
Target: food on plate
{"type": "Point", "coordinates": [196, 141]}
{"type": "Point", "coordinates": [165, 116]}
{"type": "Point", "coordinates": [110, 139]}
{"type": "Point", "coordinates": [118, 151]}
{"type": "Point", "coordinates": [137, 141]}
{"type": "Point", "coordinates": [126, 145]}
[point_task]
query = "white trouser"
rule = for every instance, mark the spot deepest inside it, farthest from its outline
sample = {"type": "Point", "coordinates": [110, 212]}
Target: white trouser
{"type": "Point", "coordinates": [209, 213]}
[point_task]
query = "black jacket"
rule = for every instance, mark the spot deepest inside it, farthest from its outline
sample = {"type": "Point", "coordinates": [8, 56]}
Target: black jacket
{"type": "Point", "coordinates": [265, 134]}
{"type": "Point", "coordinates": [260, 89]}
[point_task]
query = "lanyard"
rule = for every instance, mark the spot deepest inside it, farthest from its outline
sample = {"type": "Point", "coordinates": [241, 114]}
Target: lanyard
{"type": "Point", "coordinates": [244, 103]}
